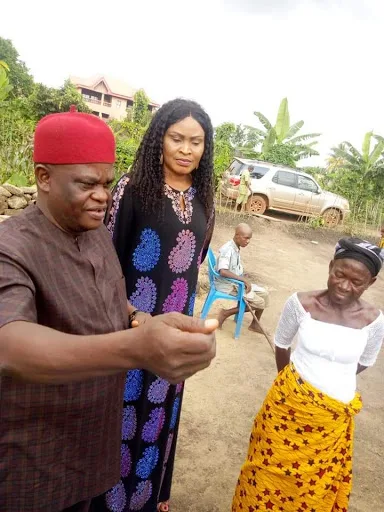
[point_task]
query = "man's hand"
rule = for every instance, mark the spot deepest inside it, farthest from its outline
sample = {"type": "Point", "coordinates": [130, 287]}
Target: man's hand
{"type": "Point", "coordinates": [248, 286]}
{"type": "Point", "coordinates": [175, 346]}
{"type": "Point", "coordinates": [140, 319]}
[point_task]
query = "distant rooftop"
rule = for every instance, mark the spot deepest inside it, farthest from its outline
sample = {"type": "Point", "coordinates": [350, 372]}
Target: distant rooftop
{"type": "Point", "coordinates": [114, 87]}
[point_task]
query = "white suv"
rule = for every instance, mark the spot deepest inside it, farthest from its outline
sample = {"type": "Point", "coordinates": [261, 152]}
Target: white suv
{"type": "Point", "coordinates": [284, 189]}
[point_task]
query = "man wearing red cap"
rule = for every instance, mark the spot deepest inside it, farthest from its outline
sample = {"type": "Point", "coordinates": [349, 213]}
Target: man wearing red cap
{"type": "Point", "coordinates": [64, 342]}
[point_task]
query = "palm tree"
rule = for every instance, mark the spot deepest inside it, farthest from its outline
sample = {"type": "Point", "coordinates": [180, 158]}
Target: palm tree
{"type": "Point", "coordinates": [283, 133]}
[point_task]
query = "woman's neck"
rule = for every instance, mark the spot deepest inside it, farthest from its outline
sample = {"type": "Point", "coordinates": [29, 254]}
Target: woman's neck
{"type": "Point", "coordinates": [177, 181]}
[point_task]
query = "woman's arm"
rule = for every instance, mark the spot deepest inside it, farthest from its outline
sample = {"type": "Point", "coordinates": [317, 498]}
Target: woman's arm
{"type": "Point", "coordinates": [282, 356]}
{"type": "Point", "coordinates": [286, 331]}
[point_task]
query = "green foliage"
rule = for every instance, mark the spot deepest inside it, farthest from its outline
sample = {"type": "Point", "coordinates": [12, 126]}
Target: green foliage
{"type": "Point", "coordinates": [141, 114]}
{"type": "Point", "coordinates": [128, 137]}
{"type": "Point", "coordinates": [16, 136]}
{"type": "Point", "coordinates": [283, 154]}
{"type": "Point", "coordinates": [48, 100]}
{"type": "Point", "coordinates": [358, 175]}
{"type": "Point", "coordinates": [222, 157]}
{"type": "Point", "coordinates": [5, 87]}
{"type": "Point", "coordinates": [19, 77]}
{"type": "Point", "coordinates": [282, 133]}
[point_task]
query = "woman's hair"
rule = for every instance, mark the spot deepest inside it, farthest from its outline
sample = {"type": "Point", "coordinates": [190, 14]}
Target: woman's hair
{"type": "Point", "coordinates": [147, 171]}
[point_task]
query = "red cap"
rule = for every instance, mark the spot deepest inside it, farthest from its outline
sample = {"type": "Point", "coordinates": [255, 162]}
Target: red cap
{"type": "Point", "coordinates": [73, 138]}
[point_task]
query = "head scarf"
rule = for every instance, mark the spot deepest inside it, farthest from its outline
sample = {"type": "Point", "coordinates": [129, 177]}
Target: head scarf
{"type": "Point", "coordinates": [360, 250]}
{"type": "Point", "coordinates": [73, 138]}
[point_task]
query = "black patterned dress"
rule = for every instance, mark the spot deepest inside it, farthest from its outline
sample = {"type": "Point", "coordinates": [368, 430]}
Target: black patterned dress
{"type": "Point", "coordinates": [160, 261]}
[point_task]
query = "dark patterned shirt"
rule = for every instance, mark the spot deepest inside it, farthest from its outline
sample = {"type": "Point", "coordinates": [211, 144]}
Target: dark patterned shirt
{"type": "Point", "coordinates": [59, 444]}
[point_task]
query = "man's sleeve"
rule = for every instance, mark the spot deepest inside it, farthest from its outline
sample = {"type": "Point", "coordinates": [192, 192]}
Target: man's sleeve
{"type": "Point", "coordinates": [17, 293]}
{"type": "Point", "coordinates": [224, 259]}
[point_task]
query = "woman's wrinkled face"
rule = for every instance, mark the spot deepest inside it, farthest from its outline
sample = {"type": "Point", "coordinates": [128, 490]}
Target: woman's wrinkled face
{"type": "Point", "coordinates": [348, 279]}
{"type": "Point", "coordinates": [183, 146]}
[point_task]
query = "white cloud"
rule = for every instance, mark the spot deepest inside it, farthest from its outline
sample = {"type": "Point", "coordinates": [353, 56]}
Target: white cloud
{"type": "Point", "coordinates": [325, 56]}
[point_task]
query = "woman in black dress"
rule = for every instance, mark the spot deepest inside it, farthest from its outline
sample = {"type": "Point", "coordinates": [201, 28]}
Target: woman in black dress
{"type": "Point", "coordinates": [161, 220]}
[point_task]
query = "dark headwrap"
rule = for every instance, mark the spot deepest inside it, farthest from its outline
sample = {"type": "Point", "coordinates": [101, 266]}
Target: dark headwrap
{"type": "Point", "coordinates": [360, 250]}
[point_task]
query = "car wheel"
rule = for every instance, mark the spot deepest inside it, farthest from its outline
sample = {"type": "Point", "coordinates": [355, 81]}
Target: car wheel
{"type": "Point", "coordinates": [256, 204]}
{"type": "Point", "coordinates": [331, 217]}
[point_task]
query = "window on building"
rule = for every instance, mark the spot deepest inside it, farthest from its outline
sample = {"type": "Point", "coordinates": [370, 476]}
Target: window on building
{"type": "Point", "coordinates": [105, 116]}
{"type": "Point", "coordinates": [96, 114]}
{"type": "Point", "coordinates": [118, 103]}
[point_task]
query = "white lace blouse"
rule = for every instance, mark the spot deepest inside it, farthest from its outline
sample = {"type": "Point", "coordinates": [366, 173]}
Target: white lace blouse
{"type": "Point", "coordinates": [327, 355]}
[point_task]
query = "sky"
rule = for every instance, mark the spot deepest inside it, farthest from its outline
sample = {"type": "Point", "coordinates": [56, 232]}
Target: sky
{"type": "Point", "coordinates": [234, 57]}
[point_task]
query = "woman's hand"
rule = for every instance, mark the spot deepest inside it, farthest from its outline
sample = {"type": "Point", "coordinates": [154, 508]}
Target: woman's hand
{"type": "Point", "coordinates": [140, 319]}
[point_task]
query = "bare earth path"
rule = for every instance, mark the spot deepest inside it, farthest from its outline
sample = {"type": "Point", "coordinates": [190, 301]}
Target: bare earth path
{"type": "Point", "coordinates": [220, 403]}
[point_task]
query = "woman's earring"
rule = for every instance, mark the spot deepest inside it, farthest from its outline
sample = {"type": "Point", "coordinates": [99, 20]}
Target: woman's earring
{"type": "Point", "coordinates": [161, 159]}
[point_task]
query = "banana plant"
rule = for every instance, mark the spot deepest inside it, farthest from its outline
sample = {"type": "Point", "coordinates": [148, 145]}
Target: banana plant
{"type": "Point", "coordinates": [368, 162]}
{"type": "Point", "coordinates": [5, 86]}
{"type": "Point", "coordinates": [285, 133]}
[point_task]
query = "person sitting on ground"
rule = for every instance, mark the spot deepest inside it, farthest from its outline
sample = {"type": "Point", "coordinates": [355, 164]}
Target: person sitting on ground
{"type": "Point", "coordinates": [229, 266]}
{"type": "Point", "coordinates": [244, 188]}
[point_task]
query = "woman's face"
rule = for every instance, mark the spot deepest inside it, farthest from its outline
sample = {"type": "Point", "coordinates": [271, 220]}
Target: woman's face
{"type": "Point", "coordinates": [348, 279]}
{"type": "Point", "coordinates": [183, 146]}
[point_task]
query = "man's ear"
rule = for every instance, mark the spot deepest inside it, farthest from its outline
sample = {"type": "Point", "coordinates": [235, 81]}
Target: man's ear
{"type": "Point", "coordinates": [43, 177]}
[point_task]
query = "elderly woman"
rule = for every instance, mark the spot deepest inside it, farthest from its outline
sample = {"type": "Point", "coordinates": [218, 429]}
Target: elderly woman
{"type": "Point", "coordinates": [300, 452]}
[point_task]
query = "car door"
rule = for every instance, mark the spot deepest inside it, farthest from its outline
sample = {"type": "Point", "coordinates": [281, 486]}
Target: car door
{"type": "Point", "coordinates": [283, 190]}
{"type": "Point", "coordinates": [307, 198]}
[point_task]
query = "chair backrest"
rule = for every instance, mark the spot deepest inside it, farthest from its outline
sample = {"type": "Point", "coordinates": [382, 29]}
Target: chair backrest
{"type": "Point", "coordinates": [212, 267]}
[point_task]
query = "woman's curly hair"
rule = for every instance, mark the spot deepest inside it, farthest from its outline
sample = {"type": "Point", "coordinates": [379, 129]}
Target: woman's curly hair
{"type": "Point", "coordinates": [146, 175]}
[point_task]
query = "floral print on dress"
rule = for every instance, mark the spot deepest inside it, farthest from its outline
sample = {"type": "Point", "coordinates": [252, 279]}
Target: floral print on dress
{"type": "Point", "coordinates": [158, 390]}
{"type": "Point", "coordinates": [126, 461]}
{"type": "Point", "coordinates": [129, 423]}
{"type": "Point", "coordinates": [191, 305]}
{"type": "Point", "coordinates": [147, 253]}
{"type": "Point", "coordinates": [144, 298]}
{"type": "Point", "coordinates": [133, 385]}
{"type": "Point", "coordinates": [178, 298]}
{"type": "Point", "coordinates": [141, 496]}
{"type": "Point", "coordinates": [182, 254]}
{"type": "Point", "coordinates": [148, 462]}
{"type": "Point", "coordinates": [116, 498]}
{"type": "Point", "coordinates": [154, 425]}
{"type": "Point", "coordinates": [117, 195]}
{"type": "Point", "coordinates": [184, 216]}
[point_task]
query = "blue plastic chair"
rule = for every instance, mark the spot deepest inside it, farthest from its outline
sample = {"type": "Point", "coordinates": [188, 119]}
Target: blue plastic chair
{"type": "Point", "coordinates": [216, 294]}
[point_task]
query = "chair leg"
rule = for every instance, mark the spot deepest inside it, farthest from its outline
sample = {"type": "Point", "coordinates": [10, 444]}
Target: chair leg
{"type": "Point", "coordinates": [207, 306]}
{"type": "Point", "coordinates": [240, 317]}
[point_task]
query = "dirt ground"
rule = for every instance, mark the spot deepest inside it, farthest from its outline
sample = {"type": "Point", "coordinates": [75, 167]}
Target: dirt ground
{"type": "Point", "coordinates": [220, 403]}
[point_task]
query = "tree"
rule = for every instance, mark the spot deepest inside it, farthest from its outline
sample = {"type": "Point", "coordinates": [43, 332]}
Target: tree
{"type": "Point", "coordinates": [283, 133]}
{"type": "Point", "coordinates": [5, 87]}
{"type": "Point", "coordinates": [141, 114]}
{"type": "Point", "coordinates": [19, 77]}
{"type": "Point", "coordinates": [48, 100]}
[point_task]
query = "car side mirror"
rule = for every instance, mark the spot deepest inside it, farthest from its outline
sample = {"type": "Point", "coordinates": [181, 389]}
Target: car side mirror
{"type": "Point", "coordinates": [319, 191]}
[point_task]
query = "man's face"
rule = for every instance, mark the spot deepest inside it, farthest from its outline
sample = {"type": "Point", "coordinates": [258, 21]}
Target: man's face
{"type": "Point", "coordinates": [76, 196]}
{"type": "Point", "coordinates": [242, 238]}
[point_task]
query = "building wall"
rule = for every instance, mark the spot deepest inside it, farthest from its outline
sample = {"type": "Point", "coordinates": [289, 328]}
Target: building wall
{"type": "Point", "coordinates": [118, 107]}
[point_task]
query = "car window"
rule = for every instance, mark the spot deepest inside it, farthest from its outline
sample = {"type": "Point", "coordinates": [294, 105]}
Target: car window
{"type": "Point", "coordinates": [259, 171]}
{"type": "Point", "coordinates": [235, 168]}
{"type": "Point", "coordinates": [305, 183]}
{"type": "Point", "coordinates": [285, 178]}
